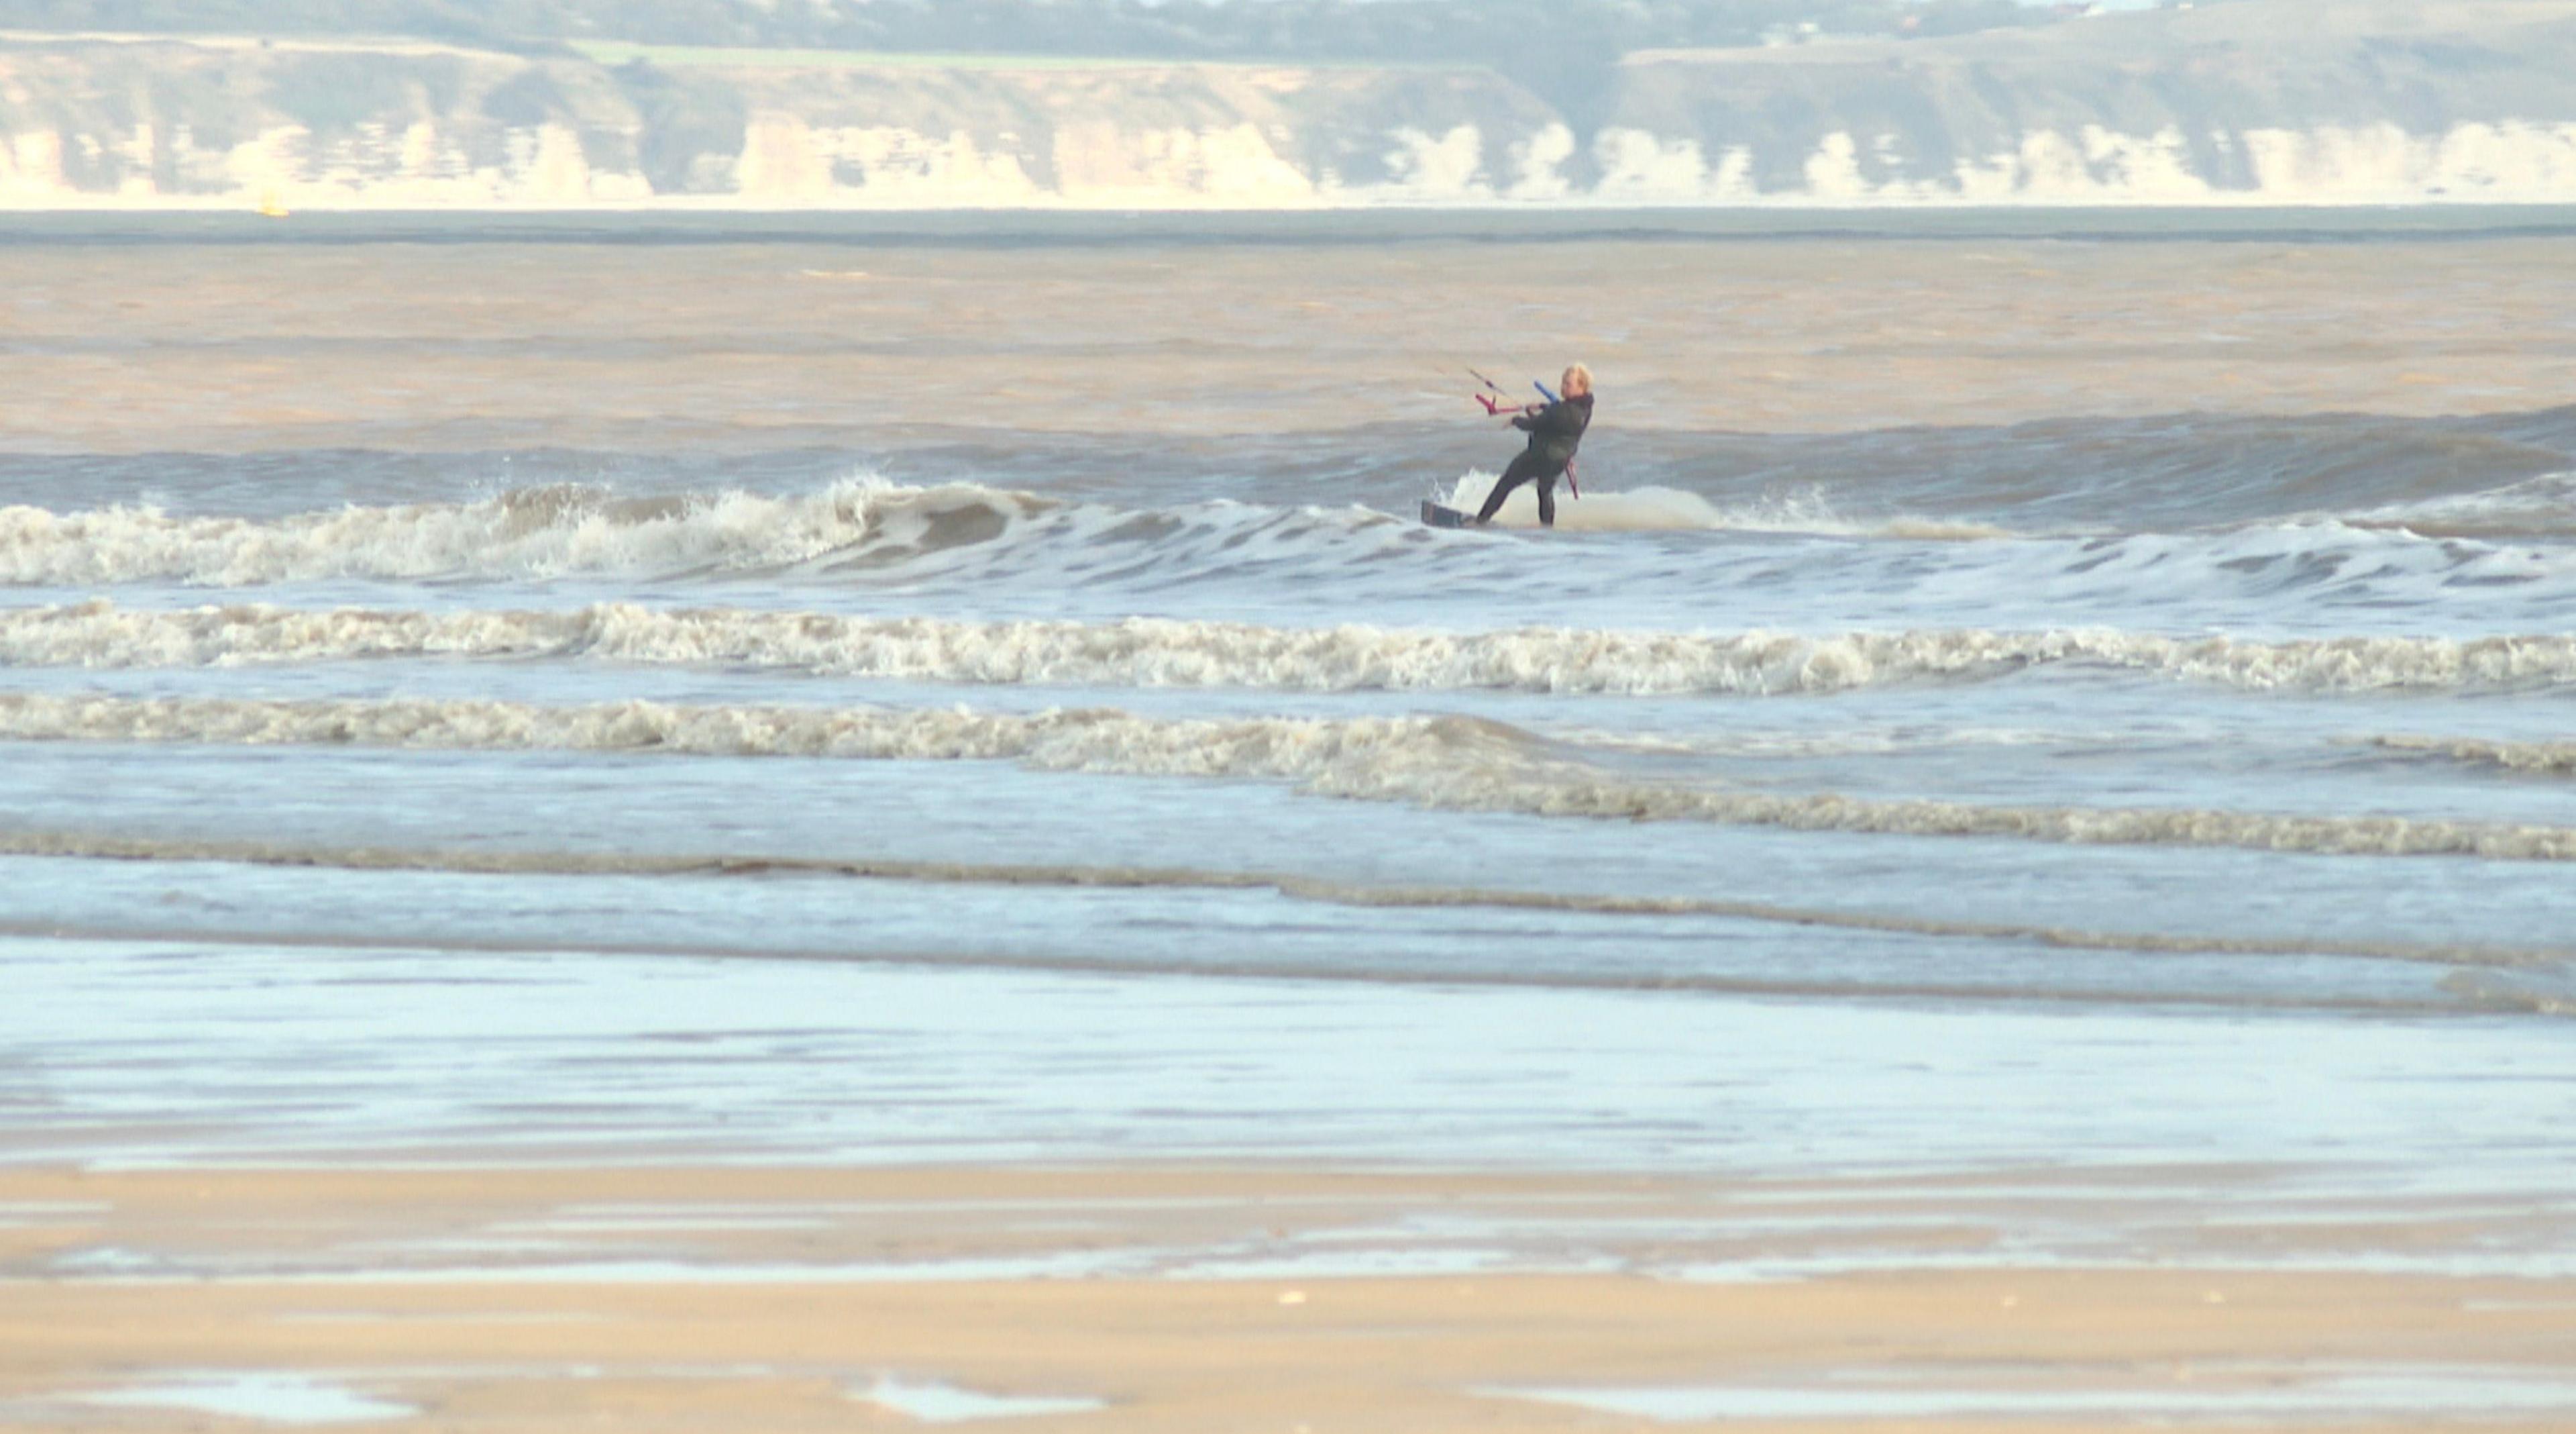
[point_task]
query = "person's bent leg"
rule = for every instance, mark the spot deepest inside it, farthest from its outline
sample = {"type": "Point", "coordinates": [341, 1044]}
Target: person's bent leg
{"type": "Point", "coordinates": [1547, 502]}
{"type": "Point", "coordinates": [1514, 476]}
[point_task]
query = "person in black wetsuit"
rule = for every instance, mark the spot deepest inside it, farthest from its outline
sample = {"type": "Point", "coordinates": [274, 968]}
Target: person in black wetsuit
{"type": "Point", "coordinates": [1555, 430]}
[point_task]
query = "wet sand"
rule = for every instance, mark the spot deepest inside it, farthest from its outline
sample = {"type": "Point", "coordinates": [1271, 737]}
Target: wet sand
{"type": "Point", "coordinates": [728, 1298]}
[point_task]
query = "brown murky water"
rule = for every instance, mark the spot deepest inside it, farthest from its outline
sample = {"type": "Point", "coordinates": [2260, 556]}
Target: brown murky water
{"type": "Point", "coordinates": [119, 348]}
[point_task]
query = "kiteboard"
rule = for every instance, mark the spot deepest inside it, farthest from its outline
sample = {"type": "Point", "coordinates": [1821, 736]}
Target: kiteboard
{"type": "Point", "coordinates": [1439, 516]}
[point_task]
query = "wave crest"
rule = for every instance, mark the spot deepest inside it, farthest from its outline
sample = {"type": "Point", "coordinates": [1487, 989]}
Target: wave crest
{"type": "Point", "coordinates": [1653, 508]}
{"type": "Point", "coordinates": [1445, 762]}
{"type": "Point", "coordinates": [535, 532]}
{"type": "Point", "coordinates": [2535, 509]}
{"type": "Point", "coordinates": [2555, 759]}
{"type": "Point", "coordinates": [1161, 652]}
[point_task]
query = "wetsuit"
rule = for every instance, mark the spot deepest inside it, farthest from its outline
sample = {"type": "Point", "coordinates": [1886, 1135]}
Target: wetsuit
{"type": "Point", "coordinates": [1554, 433]}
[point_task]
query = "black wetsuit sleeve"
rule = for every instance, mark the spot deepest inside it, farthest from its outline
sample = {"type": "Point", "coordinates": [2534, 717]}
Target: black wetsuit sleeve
{"type": "Point", "coordinates": [1561, 419]}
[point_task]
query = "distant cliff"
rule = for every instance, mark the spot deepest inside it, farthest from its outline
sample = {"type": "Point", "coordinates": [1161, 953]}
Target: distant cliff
{"type": "Point", "coordinates": [2256, 101]}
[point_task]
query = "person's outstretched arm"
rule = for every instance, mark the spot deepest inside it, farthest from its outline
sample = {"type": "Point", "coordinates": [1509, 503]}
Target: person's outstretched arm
{"type": "Point", "coordinates": [1545, 418]}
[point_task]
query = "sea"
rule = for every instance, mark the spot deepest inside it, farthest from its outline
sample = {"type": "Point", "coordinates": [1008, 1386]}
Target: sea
{"type": "Point", "coordinates": [2086, 693]}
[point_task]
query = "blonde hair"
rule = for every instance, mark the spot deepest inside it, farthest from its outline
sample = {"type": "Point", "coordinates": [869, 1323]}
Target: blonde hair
{"type": "Point", "coordinates": [1574, 373]}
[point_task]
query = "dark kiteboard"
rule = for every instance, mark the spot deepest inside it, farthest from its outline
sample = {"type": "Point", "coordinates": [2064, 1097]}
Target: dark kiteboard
{"type": "Point", "coordinates": [1439, 516]}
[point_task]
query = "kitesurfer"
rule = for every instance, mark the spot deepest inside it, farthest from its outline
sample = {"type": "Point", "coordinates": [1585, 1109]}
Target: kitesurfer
{"type": "Point", "coordinates": [1555, 429]}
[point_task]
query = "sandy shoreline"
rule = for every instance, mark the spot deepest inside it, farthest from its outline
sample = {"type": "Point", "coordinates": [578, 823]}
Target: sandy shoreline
{"type": "Point", "coordinates": [732, 1298]}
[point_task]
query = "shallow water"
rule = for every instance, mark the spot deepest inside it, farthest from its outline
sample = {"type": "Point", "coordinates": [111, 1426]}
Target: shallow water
{"type": "Point", "coordinates": [1003, 709]}
{"type": "Point", "coordinates": [269, 1397]}
{"type": "Point", "coordinates": [931, 1402]}
{"type": "Point", "coordinates": [2188, 1395]}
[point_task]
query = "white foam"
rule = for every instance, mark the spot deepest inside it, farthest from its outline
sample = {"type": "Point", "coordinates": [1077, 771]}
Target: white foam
{"type": "Point", "coordinates": [1596, 511]}
{"type": "Point", "coordinates": [865, 530]}
{"type": "Point", "coordinates": [1653, 508]}
{"type": "Point", "coordinates": [531, 532]}
{"type": "Point", "coordinates": [2537, 508]}
{"type": "Point", "coordinates": [1158, 652]}
{"type": "Point", "coordinates": [2555, 759]}
{"type": "Point", "coordinates": [1454, 763]}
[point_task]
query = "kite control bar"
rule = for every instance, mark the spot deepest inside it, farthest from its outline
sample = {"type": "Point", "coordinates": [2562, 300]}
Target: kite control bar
{"type": "Point", "coordinates": [1496, 398]}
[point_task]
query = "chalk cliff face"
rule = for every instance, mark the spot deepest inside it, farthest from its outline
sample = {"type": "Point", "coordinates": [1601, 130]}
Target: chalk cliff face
{"type": "Point", "coordinates": [2259, 101]}
{"type": "Point", "coordinates": [2263, 101]}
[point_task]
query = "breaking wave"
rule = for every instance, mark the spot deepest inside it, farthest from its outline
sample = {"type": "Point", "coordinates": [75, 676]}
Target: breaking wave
{"type": "Point", "coordinates": [1446, 762]}
{"type": "Point", "coordinates": [2556, 759]}
{"type": "Point", "coordinates": [1150, 652]}
{"type": "Point", "coordinates": [1652, 508]}
{"type": "Point", "coordinates": [2535, 509]}
{"type": "Point", "coordinates": [534, 532]}
{"type": "Point", "coordinates": [866, 532]}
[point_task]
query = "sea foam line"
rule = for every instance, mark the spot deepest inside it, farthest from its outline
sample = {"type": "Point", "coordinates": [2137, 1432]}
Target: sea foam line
{"type": "Point", "coordinates": [1165, 652]}
{"type": "Point", "coordinates": [2555, 759]}
{"type": "Point", "coordinates": [573, 528]}
{"type": "Point", "coordinates": [527, 532]}
{"type": "Point", "coordinates": [494, 862]}
{"type": "Point", "coordinates": [1446, 762]}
